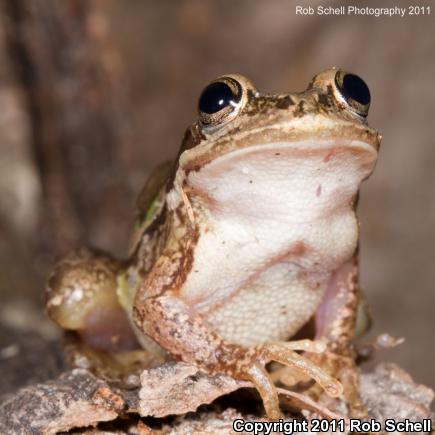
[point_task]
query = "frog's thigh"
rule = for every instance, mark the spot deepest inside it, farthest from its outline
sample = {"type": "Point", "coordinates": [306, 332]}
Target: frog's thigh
{"type": "Point", "coordinates": [82, 297]}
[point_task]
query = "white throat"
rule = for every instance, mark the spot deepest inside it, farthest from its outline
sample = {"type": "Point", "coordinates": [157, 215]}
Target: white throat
{"type": "Point", "coordinates": [273, 203]}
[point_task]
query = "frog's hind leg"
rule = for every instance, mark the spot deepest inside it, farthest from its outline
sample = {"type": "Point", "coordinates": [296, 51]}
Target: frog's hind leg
{"type": "Point", "coordinates": [82, 297]}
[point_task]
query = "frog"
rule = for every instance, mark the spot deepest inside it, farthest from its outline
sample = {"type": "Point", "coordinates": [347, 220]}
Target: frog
{"type": "Point", "coordinates": [250, 235]}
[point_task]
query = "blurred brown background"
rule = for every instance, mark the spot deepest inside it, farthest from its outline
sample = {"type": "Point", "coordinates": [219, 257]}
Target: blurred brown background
{"type": "Point", "coordinates": [94, 93]}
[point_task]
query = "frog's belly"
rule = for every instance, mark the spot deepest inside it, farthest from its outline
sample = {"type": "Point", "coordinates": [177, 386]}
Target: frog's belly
{"type": "Point", "coordinates": [269, 309]}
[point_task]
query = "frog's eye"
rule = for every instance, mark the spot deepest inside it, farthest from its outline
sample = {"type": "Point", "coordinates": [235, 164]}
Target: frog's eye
{"type": "Point", "coordinates": [217, 96]}
{"type": "Point", "coordinates": [222, 99]}
{"type": "Point", "coordinates": [354, 92]}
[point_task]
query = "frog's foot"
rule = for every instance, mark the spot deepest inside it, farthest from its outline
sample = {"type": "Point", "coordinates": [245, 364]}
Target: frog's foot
{"type": "Point", "coordinates": [251, 364]}
{"type": "Point", "coordinates": [120, 368]}
{"type": "Point", "coordinates": [343, 367]}
{"type": "Point", "coordinates": [338, 366]}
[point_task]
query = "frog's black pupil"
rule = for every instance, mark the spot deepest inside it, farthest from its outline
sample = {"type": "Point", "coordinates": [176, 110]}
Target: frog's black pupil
{"type": "Point", "coordinates": [215, 97]}
{"type": "Point", "coordinates": [355, 88]}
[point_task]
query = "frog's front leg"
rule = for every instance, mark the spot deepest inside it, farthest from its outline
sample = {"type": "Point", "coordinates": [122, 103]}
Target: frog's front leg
{"type": "Point", "coordinates": [186, 335]}
{"type": "Point", "coordinates": [339, 318]}
{"type": "Point", "coordinates": [336, 316]}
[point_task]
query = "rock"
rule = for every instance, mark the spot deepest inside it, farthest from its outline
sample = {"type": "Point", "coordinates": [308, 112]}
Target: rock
{"type": "Point", "coordinates": [78, 399]}
{"type": "Point", "coordinates": [75, 399]}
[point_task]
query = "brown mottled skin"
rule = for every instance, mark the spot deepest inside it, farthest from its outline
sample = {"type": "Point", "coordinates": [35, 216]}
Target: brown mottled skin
{"type": "Point", "coordinates": [248, 236]}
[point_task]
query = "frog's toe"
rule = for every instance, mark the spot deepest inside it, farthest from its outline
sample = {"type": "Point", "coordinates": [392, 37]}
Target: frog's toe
{"type": "Point", "coordinates": [258, 375]}
{"type": "Point", "coordinates": [344, 368]}
{"type": "Point", "coordinates": [341, 367]}
{"type": "Point", "coordinates": [252, 367]}
{"type": "Point", "coordinates": [284, 353]}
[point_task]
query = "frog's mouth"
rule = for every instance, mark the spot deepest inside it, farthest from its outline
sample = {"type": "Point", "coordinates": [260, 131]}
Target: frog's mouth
{"type": "Point", "coordinates": [309, 135]}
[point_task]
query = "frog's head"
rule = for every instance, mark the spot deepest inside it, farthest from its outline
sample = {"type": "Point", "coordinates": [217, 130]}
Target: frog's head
{"type": "Point", "coordinates": [291, 147]}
